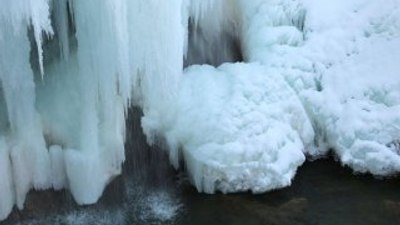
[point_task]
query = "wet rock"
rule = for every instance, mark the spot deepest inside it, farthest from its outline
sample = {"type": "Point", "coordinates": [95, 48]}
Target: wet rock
{"type": "Point", "coordinates": [393, 207]}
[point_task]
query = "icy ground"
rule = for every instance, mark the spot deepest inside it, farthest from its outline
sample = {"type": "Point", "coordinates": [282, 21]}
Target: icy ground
{"type": "Point", "coordinates": [317, 76]}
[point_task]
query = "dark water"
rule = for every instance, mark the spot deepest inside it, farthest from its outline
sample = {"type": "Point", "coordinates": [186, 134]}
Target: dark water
{"type": "Point", "coordinates": [151, 192]}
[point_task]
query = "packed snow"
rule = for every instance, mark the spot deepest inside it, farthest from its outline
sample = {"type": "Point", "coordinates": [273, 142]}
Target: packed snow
{"type": "Point", "coordinates": [317, 76]}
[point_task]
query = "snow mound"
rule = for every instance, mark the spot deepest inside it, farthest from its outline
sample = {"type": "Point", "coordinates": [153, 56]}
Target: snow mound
{"type": "Point", "coordinates": [240, 127]}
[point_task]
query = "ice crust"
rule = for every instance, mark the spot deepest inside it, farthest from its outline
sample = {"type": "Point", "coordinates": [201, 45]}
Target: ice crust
{"type": "Point", "coordinates": [317, 76]}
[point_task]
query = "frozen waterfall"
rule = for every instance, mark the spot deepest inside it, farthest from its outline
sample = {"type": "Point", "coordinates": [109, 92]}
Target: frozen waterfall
{"type": "Point", "coordinates": [240, 91]}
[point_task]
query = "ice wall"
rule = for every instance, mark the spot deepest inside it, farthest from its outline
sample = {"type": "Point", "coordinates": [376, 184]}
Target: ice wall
{"type": "Point", "coordinates": [25, 162]}
{"type": "Point", "coordinates": [63, 110]}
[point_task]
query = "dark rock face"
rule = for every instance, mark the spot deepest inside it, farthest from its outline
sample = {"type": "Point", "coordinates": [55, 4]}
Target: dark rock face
{"type": "Point", "coordinates": [214, 49]}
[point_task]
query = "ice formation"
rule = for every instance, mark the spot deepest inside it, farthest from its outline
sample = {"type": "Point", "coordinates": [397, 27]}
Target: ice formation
{"type": "Point", "coordinates": [343, 66]}
{"type": "Point", "coordinates": [244, 128]}
{"type": "Point", "coordinates": [317, 76]}
{"type": "Point", "coordinates": [63, 109]}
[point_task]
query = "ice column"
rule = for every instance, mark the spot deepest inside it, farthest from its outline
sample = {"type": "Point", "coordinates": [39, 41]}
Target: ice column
{"type": "Point", "coordinates": [24, 159]}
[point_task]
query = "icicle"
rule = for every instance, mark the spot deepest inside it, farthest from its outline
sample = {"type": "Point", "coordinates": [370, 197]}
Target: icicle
{"type": "Point", "coordinates": [156, 55]}
{"type": "Point", "coordinates": [7, 194]}
{"type": "Point", "coordinates": [102, 58]}
{"type": "Point", "coordinates": [122, 46]}
{"type": "Point", "coordinates": [29, 158]}
{"type": "Point", "coordinates": [39, 16]}
{"type": "Point", "coordinates": [24, 122]}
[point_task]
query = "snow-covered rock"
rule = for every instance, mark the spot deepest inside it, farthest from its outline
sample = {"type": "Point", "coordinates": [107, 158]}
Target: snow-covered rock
{"type": "Point", "coordinates": [341, 58]}
{"type": "Point", "coordinates": [240, 127]}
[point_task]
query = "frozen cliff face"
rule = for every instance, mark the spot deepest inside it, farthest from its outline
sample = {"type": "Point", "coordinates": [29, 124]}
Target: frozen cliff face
{"type": "Point", "coordinates": [317, 75]}
{"type": "Point", "coordinates": [25, 162]}
{"type": "Point", "coordinates": [67, 77]}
